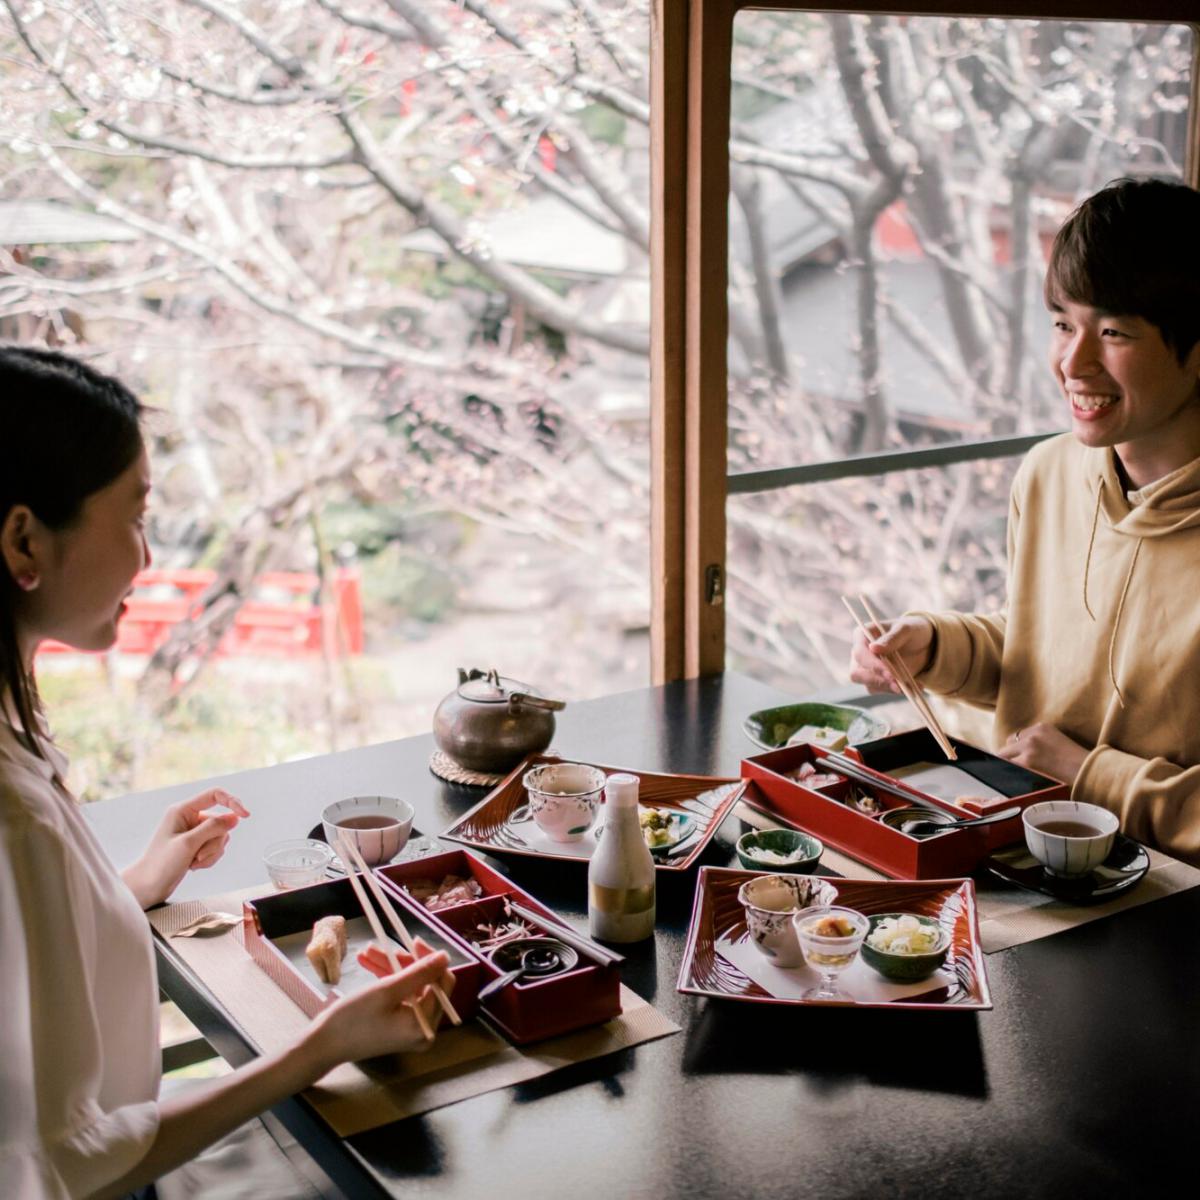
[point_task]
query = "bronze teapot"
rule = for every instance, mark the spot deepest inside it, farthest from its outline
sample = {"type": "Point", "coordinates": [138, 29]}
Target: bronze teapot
{"type": "Point", "coordinates": [490, 723]}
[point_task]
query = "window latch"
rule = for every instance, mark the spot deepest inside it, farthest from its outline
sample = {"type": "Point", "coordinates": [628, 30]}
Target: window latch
{"type": "Point", "coordinates": [714, 584]}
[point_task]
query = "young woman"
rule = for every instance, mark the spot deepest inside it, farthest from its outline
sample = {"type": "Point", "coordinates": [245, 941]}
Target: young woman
{"type": "Point", "coordinates": [80, 1113]}
{"type": "Point", "coordinates": [1091, 670]}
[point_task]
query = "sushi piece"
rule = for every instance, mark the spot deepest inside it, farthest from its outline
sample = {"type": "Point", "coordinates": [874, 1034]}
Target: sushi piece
{"type": "Point", "coordinates": [327, 948]}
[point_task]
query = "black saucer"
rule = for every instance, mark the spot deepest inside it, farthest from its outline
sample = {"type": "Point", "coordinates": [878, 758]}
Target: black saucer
{"type": "Point", "coordinates": [317, 834]}
{"type": "Point", "coordinates": [1125, 867]}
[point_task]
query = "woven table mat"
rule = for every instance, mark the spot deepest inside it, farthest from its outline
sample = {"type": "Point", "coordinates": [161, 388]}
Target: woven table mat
{"type": "Point", "coordinates": [462, 1062]}
{"type": "Point", "coordinates": [1009, 915]}
{"type": "Point", "coordinates": [444, 767]}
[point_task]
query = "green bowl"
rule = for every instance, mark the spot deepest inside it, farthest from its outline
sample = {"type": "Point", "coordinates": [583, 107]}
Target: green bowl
{"type": "Point", "coordinates": [904, 968]}
{"type": "Point", "coordinates": [770, 728]}
{"type": "Point", "coordinates": [782, 841]}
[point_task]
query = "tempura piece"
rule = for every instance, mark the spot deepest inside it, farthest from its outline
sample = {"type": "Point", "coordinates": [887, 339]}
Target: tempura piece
{"type": "Point", "coordinates": [327, 948]}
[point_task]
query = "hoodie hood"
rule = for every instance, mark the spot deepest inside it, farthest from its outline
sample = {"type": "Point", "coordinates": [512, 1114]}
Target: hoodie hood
{"type": "Point", "coordinates": [1173, 504]}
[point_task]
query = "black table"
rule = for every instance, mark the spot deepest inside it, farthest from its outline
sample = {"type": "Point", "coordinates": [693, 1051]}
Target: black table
{"type": "Point", "coordinates": [1082, 1081]}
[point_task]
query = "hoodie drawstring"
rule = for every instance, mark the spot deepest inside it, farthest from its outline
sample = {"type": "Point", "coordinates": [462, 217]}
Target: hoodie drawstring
{"type": "Point", "coordinates": [1087, 562]}
{"type": "Point", "coordinates": [1112, 642]}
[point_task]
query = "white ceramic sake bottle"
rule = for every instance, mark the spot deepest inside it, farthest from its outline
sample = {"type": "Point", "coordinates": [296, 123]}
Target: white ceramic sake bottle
{"type": "Point", "coordinates": [621, 872]}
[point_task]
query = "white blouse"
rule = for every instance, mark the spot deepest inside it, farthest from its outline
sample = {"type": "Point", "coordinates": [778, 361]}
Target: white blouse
{"type": "Point", "coordinates": [79, 1056]}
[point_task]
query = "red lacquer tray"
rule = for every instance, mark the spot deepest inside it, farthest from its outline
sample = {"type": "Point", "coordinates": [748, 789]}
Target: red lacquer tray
{"type": "Point", "coordinates": [718, 917]}
{"type": "Point", "coordinates": [705, 800]}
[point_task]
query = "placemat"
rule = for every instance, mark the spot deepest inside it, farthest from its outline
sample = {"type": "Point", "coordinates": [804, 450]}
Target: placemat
{"type": "Point", "coordinates": [1009, 916]}
{"type": "Point", "coordinates": [461, 1063]}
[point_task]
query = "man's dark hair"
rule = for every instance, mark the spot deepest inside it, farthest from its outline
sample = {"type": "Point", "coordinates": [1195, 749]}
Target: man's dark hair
{"type": "Point", "coordinates": [66, 431]}
{"type": "Point", "coordinates": [1133, 250]}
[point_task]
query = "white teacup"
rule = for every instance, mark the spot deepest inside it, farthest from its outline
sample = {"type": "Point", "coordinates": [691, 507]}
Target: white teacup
{"type": "Point", "coordinates": [564, 798]}
{"type": "Point", "coordinates": [770, 901]}
{"type": "Point", "coordinates": [1068, 838]}
{"type": "Point", "coordinates": [378, 825]}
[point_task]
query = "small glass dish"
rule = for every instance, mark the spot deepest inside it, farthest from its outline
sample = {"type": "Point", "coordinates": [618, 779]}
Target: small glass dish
{"type": "Point", "coordinates": [829, 953]}
{"type": "Point", "coordinates": [297, 862]}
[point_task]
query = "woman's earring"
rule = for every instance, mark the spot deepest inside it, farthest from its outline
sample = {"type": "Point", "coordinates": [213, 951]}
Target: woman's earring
{"type": "Point", "coordinates": [27, 581]}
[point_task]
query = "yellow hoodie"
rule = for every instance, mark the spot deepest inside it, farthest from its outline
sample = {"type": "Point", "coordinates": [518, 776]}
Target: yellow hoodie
{"type": "Point", "coordinates": [1101, 637]}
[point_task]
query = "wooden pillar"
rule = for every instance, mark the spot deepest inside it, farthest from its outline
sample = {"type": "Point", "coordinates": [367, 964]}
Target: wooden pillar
{"type": "Point", "coordinates": [690, 60]}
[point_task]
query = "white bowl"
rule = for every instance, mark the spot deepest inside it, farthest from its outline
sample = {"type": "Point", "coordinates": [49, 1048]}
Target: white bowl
{"type": "Point", "coordinates": [1064, 855]}
{"type": "Point", "coordinates": [564, 798]}
{"type": "Point", "coordinates": [393, 820]}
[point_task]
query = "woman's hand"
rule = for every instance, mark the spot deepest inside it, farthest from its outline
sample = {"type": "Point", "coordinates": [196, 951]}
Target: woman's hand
{"type": "Point", "coordinates": [380, 1019]}
{"type": "Point", "coordinates": [190, 837]}
{"type": "Point", "coordinates": [909, 637]}
{"type": "Point", "coordinates": [1046, 750]}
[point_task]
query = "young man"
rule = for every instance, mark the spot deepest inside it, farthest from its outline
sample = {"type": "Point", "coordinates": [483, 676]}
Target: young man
{"type": "Point", "coordinates": [1093, 669]}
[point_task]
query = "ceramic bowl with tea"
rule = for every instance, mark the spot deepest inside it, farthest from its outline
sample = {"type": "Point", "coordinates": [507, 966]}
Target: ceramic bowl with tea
{"type": "Point", "coordinates": [1068, 838]}
{"type": "Point", "coordinates": [378, 825]}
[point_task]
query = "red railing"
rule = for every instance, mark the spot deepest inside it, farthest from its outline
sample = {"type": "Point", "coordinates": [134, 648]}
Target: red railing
{"type": "Point", "coordinates": [282, 619]}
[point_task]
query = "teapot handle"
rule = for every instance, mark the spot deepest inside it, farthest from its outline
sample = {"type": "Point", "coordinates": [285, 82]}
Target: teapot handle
{"type": "Point", "coordinates": [519, 698]}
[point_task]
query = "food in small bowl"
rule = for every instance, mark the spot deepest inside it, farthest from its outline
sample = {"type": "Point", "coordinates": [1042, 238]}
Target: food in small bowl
{"type": "Point", "coordinates": [657, 830]}
{"type": "Point", "coordinates": [829, 938]}
{"type": "Point", "coordinates": [1069, 839]}
{"type": "Point", "coordinates": [905, 947]}
{"type": "Point", "coordinates": [564, 798]}
{"type": "Point", "coordinates": [786, 851]}
{"type": "Point", "coordinates": [770, 902]}
{"type": "Point", "coordinates": [377, 825]}
{"type": "Point", "coordinates": [771, 728]}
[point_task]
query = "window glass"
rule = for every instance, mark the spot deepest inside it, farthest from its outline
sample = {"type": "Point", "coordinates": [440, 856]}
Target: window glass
{"type": "Point", "coordinates": [931, 539]}
{"type": "Point", "coordinates": [383, 269]}
{"type": "Point", "coordinates": [895, 186]}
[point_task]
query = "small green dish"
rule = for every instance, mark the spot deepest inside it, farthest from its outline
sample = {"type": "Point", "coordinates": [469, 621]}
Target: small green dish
{"type": "Point", "coordinates": [904, 968]}
{"type": "Point", "coordinates": [770, 728]}
{"type": "Point", "coordinates": [781, 841]}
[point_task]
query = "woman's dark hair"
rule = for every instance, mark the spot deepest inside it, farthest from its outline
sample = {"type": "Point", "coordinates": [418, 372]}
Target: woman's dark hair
{"type": "Point", "coordinates": [1133, 250]}
{"type": "Point", "coordinates": [66, 431]}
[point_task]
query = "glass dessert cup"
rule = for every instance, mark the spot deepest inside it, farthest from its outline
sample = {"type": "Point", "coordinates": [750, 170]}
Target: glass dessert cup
{"type": "Point", "coordinates": [829, 938]}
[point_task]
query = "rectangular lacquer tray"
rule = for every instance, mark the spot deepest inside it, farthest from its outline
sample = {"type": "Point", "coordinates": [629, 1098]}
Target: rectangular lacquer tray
{"type": "Point", "coordinates": [718, 940]}
{"type": "Point", "coordinates": [701, 803]}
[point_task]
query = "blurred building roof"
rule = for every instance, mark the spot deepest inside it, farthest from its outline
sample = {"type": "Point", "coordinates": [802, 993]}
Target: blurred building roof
{"type": "Point", "coordinates": [44, 223]}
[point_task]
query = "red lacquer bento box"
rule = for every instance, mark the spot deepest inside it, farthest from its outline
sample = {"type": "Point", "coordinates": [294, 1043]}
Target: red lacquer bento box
{"type": "Point", "coordinates": [278, 926]}
{"type": "Point", "coordinates": [826, 812]}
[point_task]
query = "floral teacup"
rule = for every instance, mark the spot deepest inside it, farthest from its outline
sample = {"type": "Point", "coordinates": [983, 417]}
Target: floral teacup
{"type": "Point", "coordinates": [770, 901]}
{"type": "Point", "coordinates": [564, 798]}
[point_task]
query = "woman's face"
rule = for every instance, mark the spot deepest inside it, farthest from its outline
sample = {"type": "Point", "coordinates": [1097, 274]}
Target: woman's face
{"type": "Point", "coordinates": [85, 572]}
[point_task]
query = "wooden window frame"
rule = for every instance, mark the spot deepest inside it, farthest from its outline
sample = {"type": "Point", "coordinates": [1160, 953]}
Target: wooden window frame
{"type": "Point", "coordinates": [690, 60]}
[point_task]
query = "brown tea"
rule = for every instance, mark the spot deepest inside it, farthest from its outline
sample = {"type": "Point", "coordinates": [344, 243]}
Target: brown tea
{"type": "Point", "coordinates": [1069, 829]}
{"type": "Point", "coordinates": [375, 822]}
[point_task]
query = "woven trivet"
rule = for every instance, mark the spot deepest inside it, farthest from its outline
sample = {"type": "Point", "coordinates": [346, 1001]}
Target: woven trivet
{"type": "Point", "coordinates": [444, 767]}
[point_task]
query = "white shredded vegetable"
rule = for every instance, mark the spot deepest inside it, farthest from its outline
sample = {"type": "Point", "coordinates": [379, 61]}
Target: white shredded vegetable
{"type": "Point", "coordinates": [904, 935]}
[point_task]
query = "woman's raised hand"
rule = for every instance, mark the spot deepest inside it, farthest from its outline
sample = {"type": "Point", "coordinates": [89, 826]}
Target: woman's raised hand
{"type": "Point", "coordinates": [192, 835]}
{"type": "Point", "coordinates": [909, 637]}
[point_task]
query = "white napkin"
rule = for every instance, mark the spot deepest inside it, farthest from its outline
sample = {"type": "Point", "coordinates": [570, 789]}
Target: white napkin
{"type": "Point", "coordinates": [858, 980]}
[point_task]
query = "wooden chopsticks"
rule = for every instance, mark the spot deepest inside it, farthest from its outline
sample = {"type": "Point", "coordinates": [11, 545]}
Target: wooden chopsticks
{"type": "Point", "coordinates": [354, 862]}
{"type": "Point", "coordinates": [904, 677]}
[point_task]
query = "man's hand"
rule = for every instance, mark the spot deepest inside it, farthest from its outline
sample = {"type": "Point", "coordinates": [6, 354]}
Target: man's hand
{"type": "Point", "coordinates": [909, 637]}
{"type": "Point", "coordinates": [190, 837]}
{"type": "Point", "coordinates": [1046, 750]}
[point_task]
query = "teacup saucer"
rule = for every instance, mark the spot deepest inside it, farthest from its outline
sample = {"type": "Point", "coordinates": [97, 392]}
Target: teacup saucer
{"type": "Point", "coordinates": [1125, 866]}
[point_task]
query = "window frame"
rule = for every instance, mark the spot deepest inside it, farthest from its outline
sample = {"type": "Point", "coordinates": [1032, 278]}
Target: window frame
{"type": "Point", "coordinates": [691, 44]}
